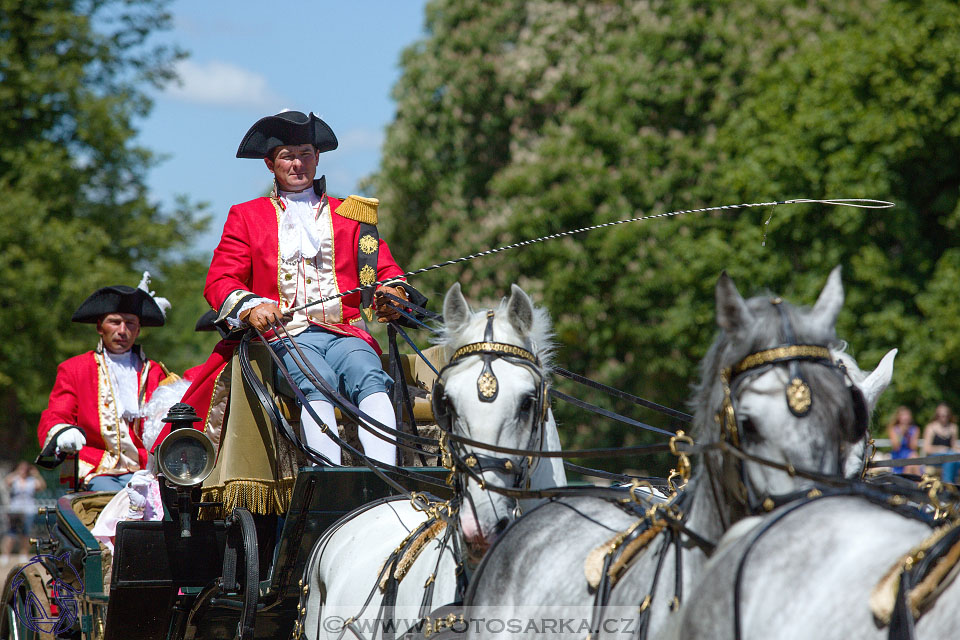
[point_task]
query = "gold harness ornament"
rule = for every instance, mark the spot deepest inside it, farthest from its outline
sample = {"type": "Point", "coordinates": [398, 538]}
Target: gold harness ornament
{"type": "Point", "coordinates": [493, 347]}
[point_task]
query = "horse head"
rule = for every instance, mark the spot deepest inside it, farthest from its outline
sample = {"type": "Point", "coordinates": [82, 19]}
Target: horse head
{"type": "Point", "coordinates": [495, 391]}
{"type": "Point", "coordinates": [776, 391]}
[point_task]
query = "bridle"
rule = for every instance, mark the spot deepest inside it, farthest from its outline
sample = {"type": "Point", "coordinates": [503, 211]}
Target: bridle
{"type": "Point", "coordinates": [799, 394]}
{"type": "Point", "coordinates": [488, 388]}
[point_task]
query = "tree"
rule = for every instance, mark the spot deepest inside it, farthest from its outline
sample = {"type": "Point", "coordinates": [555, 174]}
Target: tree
{"type": "Point", "coordinates": [74, 208]}
{"type": "Point", "coordinates": [588, 112]}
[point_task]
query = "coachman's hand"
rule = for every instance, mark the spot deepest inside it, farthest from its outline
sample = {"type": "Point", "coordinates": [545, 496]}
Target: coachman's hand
{"type": "Point", "coordinates": [385, 307]}
{"type": "Point", "coordinates": [262, 315]}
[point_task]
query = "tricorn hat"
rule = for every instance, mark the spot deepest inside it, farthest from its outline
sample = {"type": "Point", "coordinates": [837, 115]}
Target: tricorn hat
{"type": "Point", "coordinates": [286, 128]}
{"type": "Point", "coordinates": [120, 299]}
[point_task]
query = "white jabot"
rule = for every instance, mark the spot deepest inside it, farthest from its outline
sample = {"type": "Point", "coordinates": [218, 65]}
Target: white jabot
{"type": "Point", "coordinates": [123, 368]}
{"type": "Point", "coordinates": [299, 232]}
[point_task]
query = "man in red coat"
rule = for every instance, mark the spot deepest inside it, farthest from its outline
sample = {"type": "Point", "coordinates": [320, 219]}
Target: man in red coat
{"type": "Point", "coordinates": [96, 406]}
{"type": "Point", "coordinates": [298, 246]}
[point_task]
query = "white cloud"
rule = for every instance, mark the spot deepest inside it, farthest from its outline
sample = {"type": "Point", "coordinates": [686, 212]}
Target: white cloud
{"type": "Point", "coordinates": [222, 84]}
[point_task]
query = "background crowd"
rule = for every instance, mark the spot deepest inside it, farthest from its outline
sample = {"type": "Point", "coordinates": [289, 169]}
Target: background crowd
{"type": "Point", "coordinates": [939, 437]}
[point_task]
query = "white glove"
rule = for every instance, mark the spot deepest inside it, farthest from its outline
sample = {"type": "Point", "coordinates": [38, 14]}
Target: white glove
{"type": "Point", "coordinates": [137, 489]}
{"type": "Point", "coordinates": [71, 441]}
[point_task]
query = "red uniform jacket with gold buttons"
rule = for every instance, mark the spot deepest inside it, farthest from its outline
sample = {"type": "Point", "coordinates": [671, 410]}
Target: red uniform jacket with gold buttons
{"type": "Point", "coordinates": [247, 264]}
{"type": "Point", "coordinates": [82, 396]}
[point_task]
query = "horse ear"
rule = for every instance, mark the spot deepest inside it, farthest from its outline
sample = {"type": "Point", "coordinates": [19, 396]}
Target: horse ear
{"type": "Point", "coordinates": [456, 311]}
{"type": "Point", "coordinates": [732, 311]}
{"type": "Point", "coordinates": [520, 310]}
{"type": "Point", "coordinates": [874, 384]}
{"type": "Point", "coordinates": [828, 305]}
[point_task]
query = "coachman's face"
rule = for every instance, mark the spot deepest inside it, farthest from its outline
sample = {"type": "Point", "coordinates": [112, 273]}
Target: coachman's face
{"type": "Point", "coordinates": [294, 166]}
{"type": "Point", "coordinates": [119, 331]}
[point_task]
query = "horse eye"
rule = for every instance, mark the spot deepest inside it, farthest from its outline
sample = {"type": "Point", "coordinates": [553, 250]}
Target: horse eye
{"type": "Point", "coordinates": [527, 405]}
{"type": "Point", "coordinates": [747, 428]}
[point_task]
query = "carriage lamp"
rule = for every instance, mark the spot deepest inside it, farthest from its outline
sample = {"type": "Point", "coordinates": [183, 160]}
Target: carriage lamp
{"type": "Point", "coordinates": [185, 458]}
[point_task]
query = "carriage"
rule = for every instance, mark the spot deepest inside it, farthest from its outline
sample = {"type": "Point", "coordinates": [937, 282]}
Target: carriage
{"type": "Point", "coordinates": [202, 572]}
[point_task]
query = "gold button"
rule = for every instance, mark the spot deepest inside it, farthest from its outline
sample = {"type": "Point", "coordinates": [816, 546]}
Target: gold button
{"type": "Point", "coordinates": [288, 277]}
{"type": "Point", "coordinates": [309, 280]}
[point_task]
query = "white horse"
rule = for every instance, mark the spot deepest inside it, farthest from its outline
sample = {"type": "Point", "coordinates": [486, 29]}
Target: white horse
{"type": "Point", "coordinates": [536, 570]}
{"type": "Point", "coordinates": [346, 568]}
{"type": "Point", "coordinates": [812, 575]}
{"type": "Point", "coordinates": [824, 568]}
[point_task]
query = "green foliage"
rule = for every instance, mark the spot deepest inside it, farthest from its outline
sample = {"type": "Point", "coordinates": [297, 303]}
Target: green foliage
{"type": "Point", "coordinates": [518, 119]}
{"type": "Point", "coordinates": [74, 208]}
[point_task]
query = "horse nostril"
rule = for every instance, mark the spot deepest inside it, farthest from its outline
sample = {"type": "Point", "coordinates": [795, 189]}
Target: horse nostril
{"type": "Point", "coordinates": [500, 526]}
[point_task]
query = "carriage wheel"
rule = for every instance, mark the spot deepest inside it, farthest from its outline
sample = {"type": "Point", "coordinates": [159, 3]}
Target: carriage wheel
{"type": "Point", "coordinates": [31, 595]}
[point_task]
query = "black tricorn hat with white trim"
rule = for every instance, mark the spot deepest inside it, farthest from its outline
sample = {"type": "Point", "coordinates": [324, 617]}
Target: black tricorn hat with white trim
{"type": "Point", "coordinates": [120, 299]}
{"type": "Point", "coordinates": [286, 128]}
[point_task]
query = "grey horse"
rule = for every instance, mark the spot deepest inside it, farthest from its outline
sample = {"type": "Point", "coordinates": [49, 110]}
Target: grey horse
{"type": "Point", "coordinates": [535, 574]}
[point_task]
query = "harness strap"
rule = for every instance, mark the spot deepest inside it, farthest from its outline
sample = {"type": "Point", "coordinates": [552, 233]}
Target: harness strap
{"type": "Point", "coordinates": [607, 414]}
{"type": "Point", "coordinates": [599, 386]}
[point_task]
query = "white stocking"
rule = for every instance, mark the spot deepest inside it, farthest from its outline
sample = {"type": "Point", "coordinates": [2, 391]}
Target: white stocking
{"type": "Point", "coordinates": [379, 407]}
{"type": "Point", "coordinates": [312, 433]}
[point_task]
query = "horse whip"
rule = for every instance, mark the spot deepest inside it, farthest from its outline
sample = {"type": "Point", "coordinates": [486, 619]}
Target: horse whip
{"type": "Point", "coordinates": [858, 203]}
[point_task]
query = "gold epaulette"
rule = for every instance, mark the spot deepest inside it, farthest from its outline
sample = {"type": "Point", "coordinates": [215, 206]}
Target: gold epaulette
{"type": "Point", "coordinates": [360, 209]}
{"type": "Point", "coordinates": [170, 378]}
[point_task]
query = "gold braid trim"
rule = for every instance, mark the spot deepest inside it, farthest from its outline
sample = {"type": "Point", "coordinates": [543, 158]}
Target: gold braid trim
{"type": "Point", "coordinates": [263, 497]}
{"type": "Point", "coordinates": [884, 595]}
{"type": "Point", "coordinates": [411, 554]}
{"type": "Point", "coordinates": [791, 352]}
{"type": "Point", "coordinates": [496, 347]}
{"type": "Point", "coordinates": [593, 564]}
{"type": "Point", "coordinates": [630, 550]}
{"type": "Point", "coordinates": [359, 208]}
{"type": "Point", "coordinates": [930, 586]}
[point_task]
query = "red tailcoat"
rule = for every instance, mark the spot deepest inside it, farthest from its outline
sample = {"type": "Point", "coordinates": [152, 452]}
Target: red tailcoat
{"type": "Point", "coordinates": [247, 263]}
{"type": "Point", "coordinates": [82, 397]}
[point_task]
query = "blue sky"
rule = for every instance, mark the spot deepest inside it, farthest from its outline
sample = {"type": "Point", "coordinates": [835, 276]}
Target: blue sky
{"type": "Point", "coordinates": [248, 59]}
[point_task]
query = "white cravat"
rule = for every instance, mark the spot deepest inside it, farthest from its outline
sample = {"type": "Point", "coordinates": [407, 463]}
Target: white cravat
{"type": "Point", "coordinates": [123, 369]}
{"type": "Point", "coordinates": [299, 232]}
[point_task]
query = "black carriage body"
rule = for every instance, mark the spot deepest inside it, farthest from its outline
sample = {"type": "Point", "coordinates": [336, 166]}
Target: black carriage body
{"type": "Point", "coordinates": [163, 585]}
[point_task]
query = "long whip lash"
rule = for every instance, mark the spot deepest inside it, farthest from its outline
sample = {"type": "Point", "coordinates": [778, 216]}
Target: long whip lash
{"type": "Point", "coordinates": [858, 203]}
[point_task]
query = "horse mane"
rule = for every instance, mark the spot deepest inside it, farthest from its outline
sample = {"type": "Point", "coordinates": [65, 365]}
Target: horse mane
{"type": "Point", "coordinates": [539, 339]}
{"type": "Point", "coordinates": [832, 398]}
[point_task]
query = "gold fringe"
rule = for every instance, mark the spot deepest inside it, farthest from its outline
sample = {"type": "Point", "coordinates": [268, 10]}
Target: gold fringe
{"type": "Point", "coordinates": [263, 497]}
{"type": "Point", "coordinates": [412, 553]}
{"type": "Point", "coordinates": [593, 563]}
{"type": "Point", "coordinates": [630, 550]}
{"type": "Point", "coordinates": [360, 209]}
{"type": "Point", "coordinates": [403, 566]}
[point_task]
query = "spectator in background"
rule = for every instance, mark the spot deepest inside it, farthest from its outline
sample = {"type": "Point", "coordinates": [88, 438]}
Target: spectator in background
{"type": "Point", "coordinates": [940, 437]}
{"type": "Point", "coordinates": [23, 485]}
{"type": "Point", "coordinates": [904, 436]}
